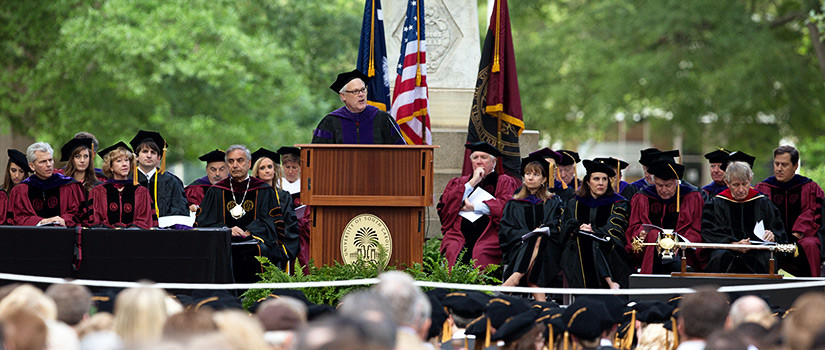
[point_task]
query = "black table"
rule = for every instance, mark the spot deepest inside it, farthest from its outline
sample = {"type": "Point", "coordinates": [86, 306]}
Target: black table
{"type": "Point", "coordinates": [182, 256]}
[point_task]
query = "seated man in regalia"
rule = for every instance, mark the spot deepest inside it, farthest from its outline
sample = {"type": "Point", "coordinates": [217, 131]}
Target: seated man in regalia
{"type": "Point", "coordinates": [249, 207]}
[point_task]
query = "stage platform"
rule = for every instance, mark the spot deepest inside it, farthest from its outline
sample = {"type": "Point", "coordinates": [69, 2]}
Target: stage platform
{"type": "Point", "coordinates": [780, 297]}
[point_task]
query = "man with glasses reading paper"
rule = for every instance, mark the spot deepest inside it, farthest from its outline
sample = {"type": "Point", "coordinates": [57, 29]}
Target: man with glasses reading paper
{"type": "Point", "coordinates": [356, 122]}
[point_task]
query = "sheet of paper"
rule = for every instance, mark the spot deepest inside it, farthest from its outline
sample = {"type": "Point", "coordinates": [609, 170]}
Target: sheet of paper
{"type": "Point", "coordinates": [166, 221]}
{"type": "Point", "coordinates": [479, 194]}
{"type": "Point", "coordinates": [759, 230]}
{"type": "Point", "coordinates": [299, 211]}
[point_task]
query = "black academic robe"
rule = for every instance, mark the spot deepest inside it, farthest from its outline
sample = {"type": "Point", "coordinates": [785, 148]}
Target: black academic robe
{"type": "Point", "coordinates": [371, 126]}
{"type": "Point", "coordinates": [564, 193]}
{"type": "Point", "coordinates": [131, 206]}
{"type": "Point", "coordinates": [35, 199]}
{"type": "Point", "coordinates": [288, 209]}
{"type": "Point", "coordinates": [263, 220]}
{"type": "Point", "coordinates": [520, 217]}
{"type": "Point", "coordinates": [726, 220]}
{"type": "Point", "coordinates": [585, 260]}
{"type": "Point", "coordinates": [169, 196]}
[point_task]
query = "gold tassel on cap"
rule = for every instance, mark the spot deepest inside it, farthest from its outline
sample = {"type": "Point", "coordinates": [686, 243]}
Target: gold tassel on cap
{"type": "Point", "coordinates": [563, 184]}
{"type": "Point", "coordinates": [550, 337]}
{"type": "Point", "coordinates": [135, 175]}
{"type": "Point", "coordinates": [575, 177]}
{"type": "Point", "coordinates": [163, 160]}
{"type": "Point", "coordinates": [618, 174]}
{"type": "Point", "coordinates": [446, 331]}
{"type": "Point", "coordinates": [678, 184]}
{"type": "Point", "coordinates": [675, 333]}
{"type": "Point", "coordinates": [566, 339]}
{"type": "Point", "coordinates": [487, 334]}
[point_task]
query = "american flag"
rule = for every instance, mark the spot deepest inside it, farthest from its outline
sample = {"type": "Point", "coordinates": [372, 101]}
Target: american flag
{"type": "Point", "coordinates": [410, 98]}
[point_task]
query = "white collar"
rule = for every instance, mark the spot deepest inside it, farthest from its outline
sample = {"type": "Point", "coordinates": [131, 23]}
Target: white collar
{"type": "Point", "coordinates": [149, 174]}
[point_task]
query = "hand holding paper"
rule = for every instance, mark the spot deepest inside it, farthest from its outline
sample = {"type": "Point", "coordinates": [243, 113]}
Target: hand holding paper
{"type": "Point", "coordinates": [479, 195]}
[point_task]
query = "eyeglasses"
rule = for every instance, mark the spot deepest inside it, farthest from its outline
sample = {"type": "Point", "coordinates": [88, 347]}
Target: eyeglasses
{"type": "Point", "coordinates": [359, 91]}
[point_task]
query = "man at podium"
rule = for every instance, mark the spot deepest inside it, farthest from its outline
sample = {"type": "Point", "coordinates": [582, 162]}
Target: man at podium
{"type": "Point", "coordinates": [356, 122]}
{"type": "Point", "coordinates": [471, 206]}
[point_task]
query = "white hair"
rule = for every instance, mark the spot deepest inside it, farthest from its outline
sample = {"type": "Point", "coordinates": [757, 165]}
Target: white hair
{"type": "Point", "coordinates": [409, 305]}
{"type": "Point", "coordinates": [38, 147]}
{"type": "Point", "coordinates": [237, 147]}
{"type": "Point", "coordinates": [738, 171]}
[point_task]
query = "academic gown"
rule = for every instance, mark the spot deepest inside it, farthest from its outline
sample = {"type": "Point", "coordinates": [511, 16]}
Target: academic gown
{"type": "Point", "coordinates": [481, 237]}
{"type": "Point", "coordinates": [585, 260]}
{"type": "Point", "coordinates": [520, 217]}
{"type": "Point", "coordinates": [195, 191]}
{"type": "Point", "coordinates": [648, 208]}
{"type": "Point", "coordinates": [564, 193]}
{"type": "Point", "coordinates": [263, 220]}
{"type": "Point", "coordinates": [290, 219]}
{"type": "Point", "coordinates": [170, 198]}
{"type": "Point", "coordinates": [4, 206]}
{"type": "Point", "coordinates": [640, 184]}
{"type": "Point", "coordinates": [34, 199]}
{"type": "Point", "coordinates": [726, 220]}
{"type": "Point", "coordinates": [714, 188]}
{"type": "Point", "coordinates": [798, 200]}
{"type": "Point", "coordinates": [371, 126]}
{"type": "Point", "coordinates": [131, 206]}
{"type": "Point", "coordinates": [626, 190]}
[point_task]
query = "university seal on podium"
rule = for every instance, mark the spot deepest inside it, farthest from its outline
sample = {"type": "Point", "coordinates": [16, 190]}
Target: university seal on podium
{"type": "Point", "coordinates": [362, 237]}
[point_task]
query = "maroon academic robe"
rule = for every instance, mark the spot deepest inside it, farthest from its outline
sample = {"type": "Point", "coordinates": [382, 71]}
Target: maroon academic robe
{"type": "Point", "coordinates": [195, 191]}
{"type": "Point", "coordinates": [58, 195]}
{"type": "Point", "coordinates": [303, 234]}
{"type": "Point", "coordinates": [798, 200]}
{"type": "Point", "coordinates": [4, 206]}
{"type": "Point", "coordinates": [113, 208]}
{"type": "Point", "coordinates": [487, 249]}
{"type": "Point", "coordinates": [648, 208]}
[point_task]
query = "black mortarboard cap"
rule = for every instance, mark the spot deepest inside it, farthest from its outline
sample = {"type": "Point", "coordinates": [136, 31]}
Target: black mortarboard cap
{"type": "Point", "coordinates": [439, 293]}
{"type": "Point", "coordinates": [464, 304]}
{"type": "Point", "coordinates": [739, 156]}
{"type": "Point", "coordinates": [346, 77]}
{"type": "Point", "coordinates": [586, 318]}
{"type": "Point", "coordinates": [18, 158]}
{"type": "Point", "coordinates": [538, 159]}
{"type": "Point", "coordinates": [104, 300]}
{"type": "Point", "coordinates": [477, 327]}
{"type": "Point", "coordinates": [547, 153]}
{"type": "Point", "coordinates": [102, 153]}
{"type": "Point", "coordinates": [654, 312]}
{"type": "Point", "coordinates": [568, 157]}
{"type": "Point", "coordinates": [289, 150]}
{"type": "Point", "coordinates": [647, 156]}
{"type": "Point", "coordinates": [612, 162]}
{"type": "Point", "coordinates": [263, 152]}
{"type": "Point", "coordinates": [437, 317]}
{"type": "Point", "coordinates": [502, 307]}
{"type": "Point", "coordinates": [485, 147]}
{"type": "Point", "coordinates": [596, 167]}
{"type": "Point", "coordinates": [143, 136]}
{"type": "Point", "coordinates": [69, 147]}
{"type": "Point", "coordinates": [217, 299]}
{"type": "Point", "coordinates": [717, 156]}
{"type": "Point", "coordinates": [665, 155]}
{"type": "Point", "coordinates": [516, 326]}
{"type": "Point", "coordinates": [666, 170]}
{"type": "Point", "coordinates": [317, 311]}
{"type": "Point", "coordinates": [213, 156]}
{"type": "Point", "coordinates": [616, 306]}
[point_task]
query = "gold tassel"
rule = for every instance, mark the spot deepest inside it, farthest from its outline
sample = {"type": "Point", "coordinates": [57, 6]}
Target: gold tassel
{"type": "Point", "coordinates": [446, 331]}
{"type": "Point", "coordinates": [496, 52]}
{"type": "Point", "coordinates": [563, 184]}
{"type": "Point", "coordinates": [678, 200]}
{"type": "Point", "coordinates": [575, 177]}
{"type": "Point", "coordinates": [628, 341]}
{"type": "Point", "coordinates": [92, 160]}
{"type": "Point", "coordinates": [618, 174]}
{"type": "Point", "coordinates": [566, 338]}
{"type": "Point", "coordinates": [550, 337]}
{"type": "Point", "coordinates": [675, 333]}
{"type": "Point", "coordinates": [135, 175]}
{"type": "Point", "coordinates": [163, 160]}
{"type": "Point", "coordinates": [487, 334]}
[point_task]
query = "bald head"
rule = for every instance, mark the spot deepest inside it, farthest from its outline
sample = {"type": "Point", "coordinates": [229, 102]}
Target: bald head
{"type": "Point", "coordinates": [750, 308]}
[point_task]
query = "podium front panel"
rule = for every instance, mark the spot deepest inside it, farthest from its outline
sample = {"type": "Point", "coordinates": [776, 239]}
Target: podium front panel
{"type": "Point", "coordinates": [406, 226]}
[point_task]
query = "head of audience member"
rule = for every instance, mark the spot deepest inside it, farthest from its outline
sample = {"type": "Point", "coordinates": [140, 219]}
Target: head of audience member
{"type": "Point", "coordinates": [751, 309]}
{"type": "Point", "coordinates": [216, 169]}
{"type": "Point", "coordinates": [373, 310]}
{"type": "Point", "coordinates": [241, 330]}
{"type": "Point", "coordinates": [803, 324]}
{"type": "Point", "coordinates": [23, 330]}
{"type": "Point", "coordinates": [352, 89]}
{"type": "Point", "coordinates": [281, 317]}
{"type": "Point", "coordinates": [183, 326]}
{"type": "Point", "coordinates": [117, 164]}
{"type": "Point", "coordinates": [336, 332]}
{"type": "Point", "coordinates": [100, 322]}
{"type": "Point", "coordinates": [41, 159]}
{"type": "Point", "coordinates": [785, 163]}
{"type": "Point", "coordinates": [483, 155]}
{"type": "Point", "coordinates": [409, 306]}
{"type": "Point", "coordinates": [29, 298]}
{"type": "Point", "coordinates": [597, 181]}
{"type": "Point", "coordinates": [702, 313]}
{"type": "Point", "coordinates": [653, 336]}
{"type": "Point", "coordinates": [73, 302]}
{"type": "Point", "coordinates": [738, 177]}
{"type": "Point", "coordinates": [725, 340]}
{"type": "Point", "coordinates": [238, 159]}
{"type": "Point", "coordinates": [17, 169]}
{"type": "Point", "coordinates": [291, 163]}
{"type": "Point", "coordinates": [140, 313]}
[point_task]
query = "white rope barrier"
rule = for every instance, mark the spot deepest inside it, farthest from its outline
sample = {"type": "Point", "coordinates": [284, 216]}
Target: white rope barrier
{"type": "Point", "coordinates": [793, 284]}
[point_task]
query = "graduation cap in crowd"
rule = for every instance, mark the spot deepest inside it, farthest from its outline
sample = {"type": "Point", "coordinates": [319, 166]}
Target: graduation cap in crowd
{"type": "Point", "coordinates": [718, 156]}
{"type": "Point", "coordinates": [502, 307]}
{"type": "Point", "coordinates": [104, 300]}
{"type": "Point", "coordinates": [516, 326]}
{"type": "Point", "coordinates": [213, 299]}
{"type": "Point", "coordinates": [295, 151]}
{"type": "Point", "coordinates": [19, 158]}
{"type": "Point", "coordinates": [547, 153]}
{"type": "Point", "coordinates": [586, 319]}
{"type": "Point", "coordinates": [69, 147]}
{"type": "Point", "coordinates": [667, 155]}
{"type": "Point", "coordinates": [617, 164]}
{"type": "Point", "coordinates": [596, 167]}
{"type": "Point", "coordinates": [647, 156]}
{"type": "Point", "coordinates": [213, 156]}
{"type": "Point", "coordinates": [102, 153]}
{"type": "Point", "coordinates": [739, 156]}
{"type": "Point", "coordinates": [439, 321]}
{"type": "Point", "coordinates": [263, 152]}
{"type": "Point", "coordinates": [478, 328]}
{"type": "Point", "coordinates": [154, 136]}
{"type": "Point", "coordinates": [469, 305]}
{"type": "Point", "coordinates": [540, 161]}
{"type": "Point", "coordinates": [555, 324]}
{"type": "Point", "coordinates": [569, 157]}
{"type": "Point", "coordinates": [616, 306]}
{"type": "Point", "coordinates": [485, 147]}
{"type": "Point", "coordinates": [654, 312]}
{"type": "Point", "coordinates": [347, 77]}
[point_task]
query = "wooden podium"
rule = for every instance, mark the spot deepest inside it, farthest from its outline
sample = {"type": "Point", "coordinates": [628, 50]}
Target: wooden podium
{"type": "Point", "coordinates": [342, 181]}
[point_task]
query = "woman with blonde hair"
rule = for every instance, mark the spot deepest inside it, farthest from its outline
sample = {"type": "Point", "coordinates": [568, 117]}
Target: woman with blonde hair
{"type": "Point", "coordinates": [140, 314]}
{"type": "Point", "coordinates": [241, 330]}
{"type": "Point", "coordinates": [119, 202]}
